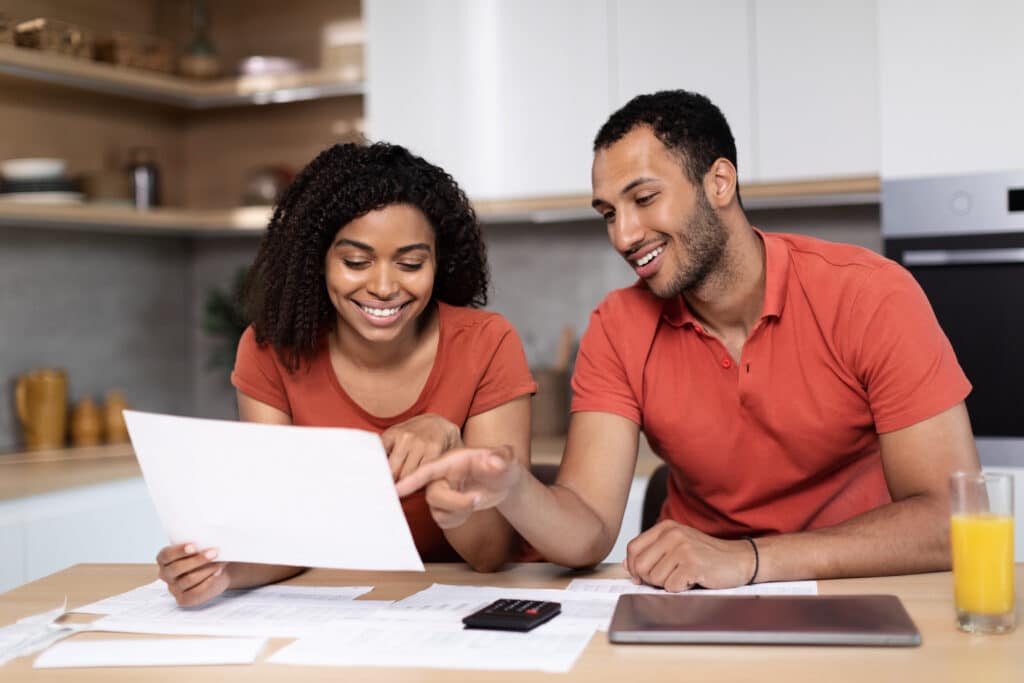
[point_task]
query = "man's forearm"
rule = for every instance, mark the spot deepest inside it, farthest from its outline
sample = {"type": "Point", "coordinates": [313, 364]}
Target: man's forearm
{"type": "Point", "coordinates": [903, 537]}
{"type": "Point", "coordinates": [557, 523]}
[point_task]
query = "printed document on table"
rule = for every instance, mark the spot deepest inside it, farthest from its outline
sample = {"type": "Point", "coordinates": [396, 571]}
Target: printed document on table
{"type": "Point", "coordinates": [151, 652]}
{"type": "Point", "coordinates": [442, 603]}
{"type": "Point", "coordinates": [142, 595]}
{"type": "Point", "coordinates": [620, 586]}
{"type": "Point", "coordinates": [270, 611]}
{"type": "Point", "coordinates": [302, 496]}
{"type": "Point", "coordinates": [441, 646]}
{"type": "Point", "coordinates": [155, 594]}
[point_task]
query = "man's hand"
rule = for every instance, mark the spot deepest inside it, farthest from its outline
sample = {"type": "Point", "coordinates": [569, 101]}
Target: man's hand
{"type": "Point", "coordinates": [192, 577]}
{"type": "Point", "coordinates": [463, 481]}
{"type": "Point", "coordinates": [418, 441]}
{"type": "Point", "coordinates": [678, 557]}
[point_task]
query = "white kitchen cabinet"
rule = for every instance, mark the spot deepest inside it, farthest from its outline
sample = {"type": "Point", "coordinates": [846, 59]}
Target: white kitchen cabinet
{"type": "Point", "coordinates": [110, 522]}
{"type": "Point", "coordinates": [506, 96]}
{"type": "Point", "coordinates": [816, 89]}
{"type": "Point", "coordinates": [952, 88]}
{"type": "Point", "coordinates": [691, 45]}
{"type": "Point", "coordinates": [12, 560]}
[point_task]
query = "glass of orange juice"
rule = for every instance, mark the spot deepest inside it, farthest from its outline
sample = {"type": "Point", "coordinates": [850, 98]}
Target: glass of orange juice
{"type": "Point", "coordinates": [981, 531]}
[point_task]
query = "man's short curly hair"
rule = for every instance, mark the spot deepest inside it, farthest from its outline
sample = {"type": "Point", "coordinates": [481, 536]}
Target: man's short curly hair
{"type": "Point", "coordinates": [286, 295]}
{"type": "Point", "coordinates": [687, 123]}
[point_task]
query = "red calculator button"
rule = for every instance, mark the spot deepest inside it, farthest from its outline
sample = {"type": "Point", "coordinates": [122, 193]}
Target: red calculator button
{"type": "Point", "coordinates": [532, 611]}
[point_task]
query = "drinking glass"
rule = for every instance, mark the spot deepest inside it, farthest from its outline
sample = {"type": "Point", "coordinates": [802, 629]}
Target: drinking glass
{"type": "Point", "coordinates": [981, 531]}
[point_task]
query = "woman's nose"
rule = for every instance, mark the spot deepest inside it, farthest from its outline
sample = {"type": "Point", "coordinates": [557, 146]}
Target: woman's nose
{"type": "Point", "coordinates": [383, 284]}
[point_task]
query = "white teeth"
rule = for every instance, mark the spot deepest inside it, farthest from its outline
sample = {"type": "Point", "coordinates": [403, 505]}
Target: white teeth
{"type": "Point", "coordinates": [380, 312]}
{"type": "Point", "coordinates": [650, 257]}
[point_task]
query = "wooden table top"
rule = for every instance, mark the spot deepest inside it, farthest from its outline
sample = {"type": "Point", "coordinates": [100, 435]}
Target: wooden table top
{"type": "Point", "coordinates": [945, 655]}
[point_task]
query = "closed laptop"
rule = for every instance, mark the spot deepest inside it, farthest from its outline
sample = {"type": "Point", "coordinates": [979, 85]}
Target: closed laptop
{"type": "Point", "coordinates": [763, 620]}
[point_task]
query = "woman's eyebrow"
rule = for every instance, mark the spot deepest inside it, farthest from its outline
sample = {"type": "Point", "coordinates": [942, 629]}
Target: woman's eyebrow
{"type": "Point", "coordinates": [344, 241]}
{"type": "Point", "coordinates": [413, 247]}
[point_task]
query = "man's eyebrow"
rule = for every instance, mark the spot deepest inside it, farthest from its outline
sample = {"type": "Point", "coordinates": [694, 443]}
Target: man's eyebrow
{"type": "Point", "coordinates": [639, 181]}
{"type": "Point", "coordinates": [632, 184]}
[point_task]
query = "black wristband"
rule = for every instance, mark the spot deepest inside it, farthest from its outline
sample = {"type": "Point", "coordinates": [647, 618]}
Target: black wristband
{"type": "Point", "coordinates": [757, 559]}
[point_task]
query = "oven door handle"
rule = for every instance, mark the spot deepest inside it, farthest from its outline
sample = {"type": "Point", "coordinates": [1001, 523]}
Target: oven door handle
{"type": "Point", "coordinates": [961, 257]}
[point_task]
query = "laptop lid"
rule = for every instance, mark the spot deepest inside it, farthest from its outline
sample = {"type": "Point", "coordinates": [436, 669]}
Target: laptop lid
{"type": "Point", "coordinates": [763, 619]}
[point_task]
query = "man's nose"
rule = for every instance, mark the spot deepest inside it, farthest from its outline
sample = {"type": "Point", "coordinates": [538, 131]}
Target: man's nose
{"type": "Point", "coordinates": [626, 231]}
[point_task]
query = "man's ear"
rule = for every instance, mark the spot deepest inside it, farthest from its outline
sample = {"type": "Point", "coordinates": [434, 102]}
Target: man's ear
{"type": "Point", "coordinates": [720, 183]}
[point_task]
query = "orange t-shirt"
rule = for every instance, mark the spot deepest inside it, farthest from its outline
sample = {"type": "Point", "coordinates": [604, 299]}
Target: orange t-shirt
{"type": "Point", "coordinates": [480, 365]}
{"type": "Point", "coordinates": [847, 347]}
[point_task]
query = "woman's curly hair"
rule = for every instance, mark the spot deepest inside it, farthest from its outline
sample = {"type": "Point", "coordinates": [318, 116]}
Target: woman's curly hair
{"type": "Point", "coordinates": [285, 295]}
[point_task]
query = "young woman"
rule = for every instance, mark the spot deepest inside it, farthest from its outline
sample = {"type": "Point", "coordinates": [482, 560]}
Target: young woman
{"type": "Point", "coordinates": [363, 299]}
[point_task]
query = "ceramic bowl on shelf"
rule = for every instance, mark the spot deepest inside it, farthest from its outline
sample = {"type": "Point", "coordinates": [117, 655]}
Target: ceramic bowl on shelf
{"type": "Point", "coordinates": [32, 169]}
{"type": "Point", "coordinates": [266, 65]}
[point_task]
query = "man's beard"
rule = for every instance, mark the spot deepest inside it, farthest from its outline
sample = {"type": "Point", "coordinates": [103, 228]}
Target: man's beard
{"type": "Point", "coordinates": [703, 239]}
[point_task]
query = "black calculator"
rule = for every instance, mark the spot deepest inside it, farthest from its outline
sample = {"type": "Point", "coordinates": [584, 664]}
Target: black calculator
{"type": "Point", "coordinates": [513, 615]}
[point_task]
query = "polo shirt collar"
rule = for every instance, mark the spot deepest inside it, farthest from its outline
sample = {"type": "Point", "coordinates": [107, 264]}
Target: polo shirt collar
{"type": "Point", "coordinates": [776, 257]}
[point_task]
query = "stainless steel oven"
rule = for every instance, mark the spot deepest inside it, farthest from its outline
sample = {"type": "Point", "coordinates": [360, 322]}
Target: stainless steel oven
{"type": "Point", "coordinates": [962, 237]}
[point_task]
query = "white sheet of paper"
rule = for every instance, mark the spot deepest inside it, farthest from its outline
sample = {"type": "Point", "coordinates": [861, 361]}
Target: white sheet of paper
{"type": "Point", "coordinates": [153, 594]}
{"type": "Point", "coordinates": [441, 646]}
{"type": "Point", "coordinates": [125, 601]}
{"type": "Point", "coordinates": [302, 496]}
{"type": "Point", "coordinates": [33, 633]}
{"type": "Point", "coordinates": [620, 586]}
{"type": "Point", "coordinates": [151, 652]}
{"type": "Point", "coordinates": [271, 611]}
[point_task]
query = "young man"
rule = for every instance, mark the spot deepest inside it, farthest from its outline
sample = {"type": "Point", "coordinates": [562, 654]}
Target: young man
{"type": "Point", "coordinates": [801, 391]}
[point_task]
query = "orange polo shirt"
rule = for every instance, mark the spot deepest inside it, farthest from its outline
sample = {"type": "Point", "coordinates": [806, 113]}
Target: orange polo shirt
{"type": "Point", "coordinates": [786, 439]}
{"type": "Point", "coordinates": [480, 365]}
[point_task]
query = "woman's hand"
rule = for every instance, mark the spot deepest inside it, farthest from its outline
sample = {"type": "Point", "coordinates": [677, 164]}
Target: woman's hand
{"type": "Point", "coordinates": [463, 481]}
{"type": "Point", "coordinates": [192, 577]}
{"type": "Point", "coordinates": [415, 442]}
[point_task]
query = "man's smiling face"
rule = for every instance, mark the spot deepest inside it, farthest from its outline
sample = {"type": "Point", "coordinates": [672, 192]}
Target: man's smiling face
{"type": "Point", "coordinates": [659, 221]}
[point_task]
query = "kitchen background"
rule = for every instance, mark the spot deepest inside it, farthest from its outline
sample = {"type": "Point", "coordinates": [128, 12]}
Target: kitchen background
{"type": "Point", "coordinates": [826, 99]}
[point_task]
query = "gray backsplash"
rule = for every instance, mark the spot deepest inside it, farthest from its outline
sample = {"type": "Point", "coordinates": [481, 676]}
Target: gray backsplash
{"type": "Point", "coordinates": [126, 312]}
{"type": "Point", "coordinates": [113, 310]}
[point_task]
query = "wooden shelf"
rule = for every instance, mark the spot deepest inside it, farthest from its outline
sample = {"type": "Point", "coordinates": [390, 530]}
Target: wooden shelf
{"type": "Point", "coordinates": [865, 190]}
{"type": "Point", "coordinates": [116, 219]}
{"type": "Point", "coordinates": [56, 69]}
{"type": "Point", "coordinates": [252, 220]}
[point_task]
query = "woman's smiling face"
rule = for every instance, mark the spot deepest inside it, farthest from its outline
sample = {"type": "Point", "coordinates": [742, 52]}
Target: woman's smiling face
{"type": "Point", "coordinates": [379, 272]}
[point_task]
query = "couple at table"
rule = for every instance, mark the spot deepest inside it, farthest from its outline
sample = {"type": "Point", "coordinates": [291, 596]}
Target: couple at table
{"type": "Point", "coordinates": [807, 403]}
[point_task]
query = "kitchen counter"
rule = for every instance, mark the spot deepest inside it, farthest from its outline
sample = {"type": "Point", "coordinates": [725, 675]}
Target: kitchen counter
{"type": "Point", "coordinates": [34, 473]}
{"type": "Point", "coordinates": [38, 472]}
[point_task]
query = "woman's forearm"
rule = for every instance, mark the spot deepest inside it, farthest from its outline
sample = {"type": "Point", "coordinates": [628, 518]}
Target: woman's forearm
{"type": "Point", "coordinates": [250, 575]}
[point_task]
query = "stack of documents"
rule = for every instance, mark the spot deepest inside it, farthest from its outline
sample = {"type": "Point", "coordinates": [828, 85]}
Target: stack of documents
{"type": "Point", "coordinates": [335, 629]}
{"type": "Point", "coordinates": [270, 611]}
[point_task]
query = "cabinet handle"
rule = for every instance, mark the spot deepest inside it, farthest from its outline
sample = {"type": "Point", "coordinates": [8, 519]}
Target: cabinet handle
{"type": "Point", "coordinates": [961, 257]}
